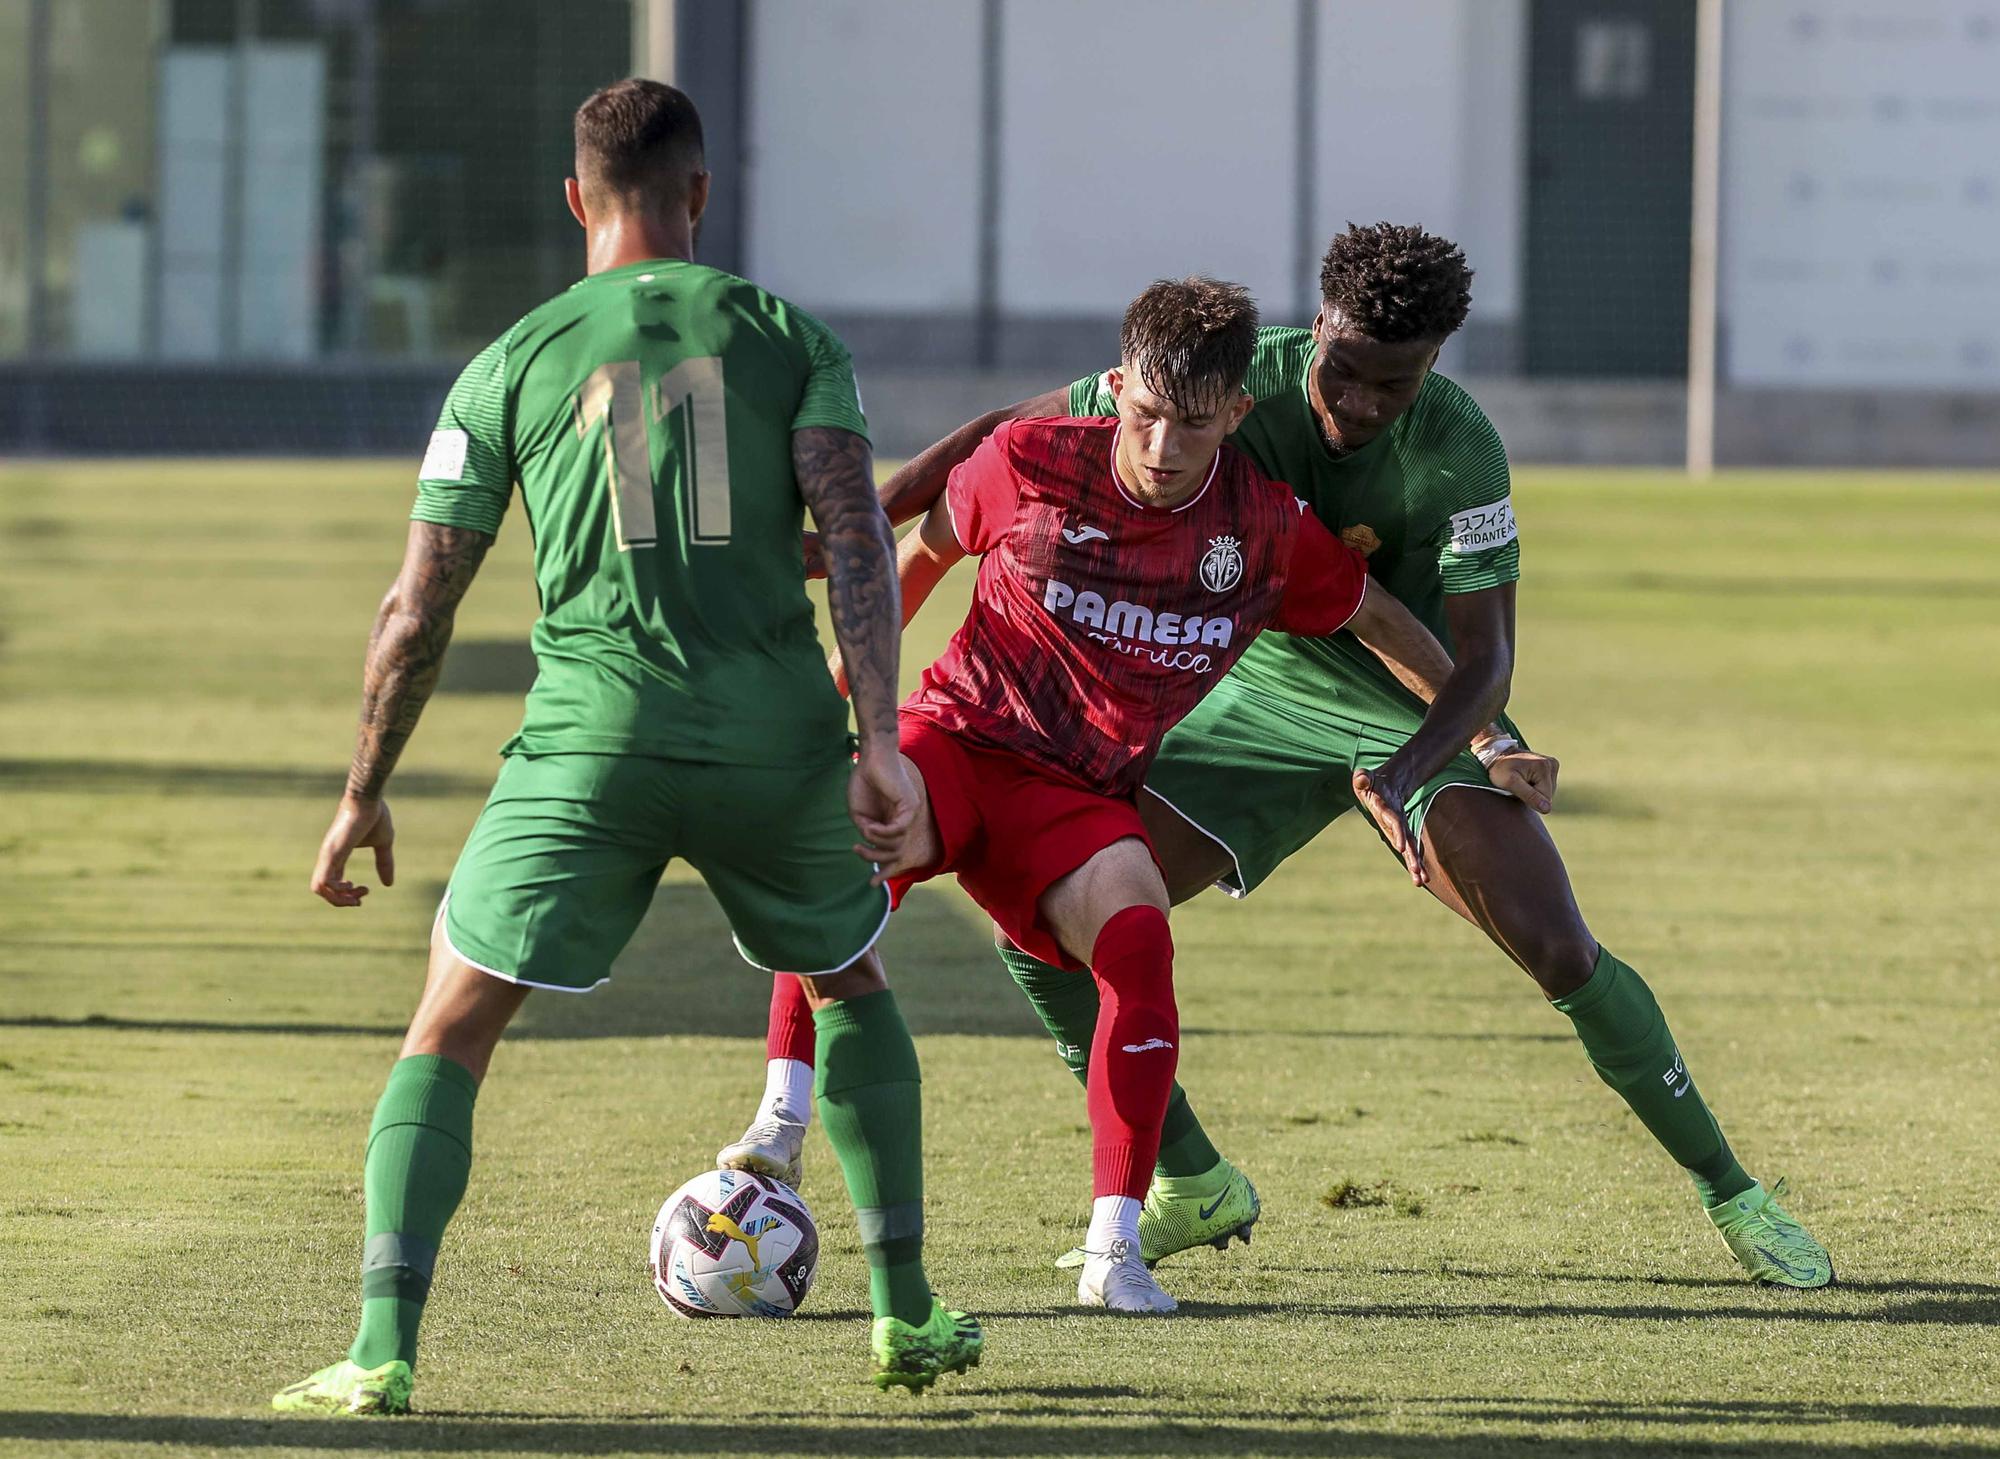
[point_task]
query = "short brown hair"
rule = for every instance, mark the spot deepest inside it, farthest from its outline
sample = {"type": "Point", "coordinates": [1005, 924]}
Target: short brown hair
{"type": "Point", "coordinates": [1191, 339]}
{"type": "Point", "coordinates": [637, 142]}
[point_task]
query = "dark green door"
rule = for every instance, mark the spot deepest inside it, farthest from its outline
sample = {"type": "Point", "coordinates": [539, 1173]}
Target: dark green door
{"type": "Point", "coordinates": [1610, 147]}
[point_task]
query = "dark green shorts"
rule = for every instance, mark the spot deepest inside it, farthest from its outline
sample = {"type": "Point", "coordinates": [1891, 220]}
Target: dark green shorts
{"type": "Point", "coordinates": [561, 865]}
{"type": "Point", "coordinates": [1261, 776]}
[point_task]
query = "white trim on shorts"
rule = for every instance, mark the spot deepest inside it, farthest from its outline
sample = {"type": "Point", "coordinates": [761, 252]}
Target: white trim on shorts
{"type": "Point", "coordinates": [888, 906]}
{"type": "Point", "coordinates": [1454, 785]}
{"type": "Point", "coordinates": [1235, 893]}
{"type": "Point", "coordinates": [438, 929]}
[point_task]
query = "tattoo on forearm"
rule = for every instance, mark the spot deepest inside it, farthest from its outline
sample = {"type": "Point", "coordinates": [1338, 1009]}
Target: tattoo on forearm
{"type": "Point", "coordinates": [837, 480]}
{"type": "Point", "coordinates": [406, 648]}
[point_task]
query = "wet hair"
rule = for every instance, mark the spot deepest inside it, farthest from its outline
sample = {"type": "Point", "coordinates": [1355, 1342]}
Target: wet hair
{"type": "Point", "coordinates": [1395, 284]}
{"type": "Point", "coordinates": [1191, 339]}
{"type": "Point", "coordinates": [638, 143]}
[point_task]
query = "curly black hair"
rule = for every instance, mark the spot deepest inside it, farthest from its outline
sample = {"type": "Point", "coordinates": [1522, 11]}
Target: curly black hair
{"type": "Point", "coordinates": [1191, 339]}
{"type": "Point", "coordinates": [1395, 283]}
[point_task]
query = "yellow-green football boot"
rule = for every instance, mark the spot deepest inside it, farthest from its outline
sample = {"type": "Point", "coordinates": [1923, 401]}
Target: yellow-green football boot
{"type": "Point", "coordinates": [916, 1357]}
{"type": "Point", "coordinates": [1772, 1247]}
{"type": "Point", "coordinates": [346, 1387]}
{"type": "Point", "coordinates": [1183, 1212]}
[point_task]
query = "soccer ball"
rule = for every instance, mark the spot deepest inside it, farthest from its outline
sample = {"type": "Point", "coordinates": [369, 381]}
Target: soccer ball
{"type": "Point", "coordinates": [733, 1244]}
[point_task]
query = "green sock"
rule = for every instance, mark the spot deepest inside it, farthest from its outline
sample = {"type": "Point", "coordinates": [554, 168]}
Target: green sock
{"type": "Point", "coordinates": [1066, 1003]}
{"type": "Point", "coordinates": [870, 1098]}
{"type": "Point", "coordinates": [1633, 1051]}
{"type": "Point", "coordinates": [419, 1154]}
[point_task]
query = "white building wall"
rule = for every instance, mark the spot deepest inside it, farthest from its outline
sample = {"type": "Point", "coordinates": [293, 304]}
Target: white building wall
{"type": "Point", "coordinates": [1141, 143]}
{"type": "Point", "coordinates": [1422, 120]}
{"type": "Point", "coordinates": [864, 153]}
{"type": "Point", "coordinates": [1135, 144]}
{"type": "Point", "coordinates": [1861, 193]}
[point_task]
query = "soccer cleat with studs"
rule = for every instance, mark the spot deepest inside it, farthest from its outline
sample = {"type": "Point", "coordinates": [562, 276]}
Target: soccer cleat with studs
{"type": "Point", "coordinates": [913, 1358]}
{"type": "Point", "coordinates": [1118, 1281]}
{"type": "Point", "coordinates": [772, 1147]}
{"type": "Point", "coordinates": [348, 1388]}
{"type": "Point", "coordinates": [1772, 1247]}
{"type": "Point", "coordinates": [1212, 1209]}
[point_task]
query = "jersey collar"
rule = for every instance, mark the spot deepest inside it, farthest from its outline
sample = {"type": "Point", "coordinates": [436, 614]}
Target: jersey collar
{"type": "Point", "coordinates": [1119, 482]}
{"type": "Point", "coordinates": [633, 270]}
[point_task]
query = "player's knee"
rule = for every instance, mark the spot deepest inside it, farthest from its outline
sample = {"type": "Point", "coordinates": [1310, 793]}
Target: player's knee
{"type": "Point", "coordinates": [1559, 959]}
{"type": "Point", "coordinates": [1136, 934]}
{"type": "Point", "coordinates": [1134, 958]}
{"type": "Point", "coordinates": [860, 978]}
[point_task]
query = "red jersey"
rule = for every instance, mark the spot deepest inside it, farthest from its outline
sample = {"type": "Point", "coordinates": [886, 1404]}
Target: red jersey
{"type": "Point", "coordinates": [1098, 622]}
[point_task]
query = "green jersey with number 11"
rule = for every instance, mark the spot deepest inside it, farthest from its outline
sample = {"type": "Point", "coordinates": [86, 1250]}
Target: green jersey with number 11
{"type": "Point", "coordinates": [647, 413]}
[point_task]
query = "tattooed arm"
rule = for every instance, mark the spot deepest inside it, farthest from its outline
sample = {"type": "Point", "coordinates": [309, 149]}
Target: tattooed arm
{"type": "Point", "coordinates": [405, 652]}
{"type": "Point", "coordinates": [908, 494]}
{"type": "Point", "coordinates": [837, 479]}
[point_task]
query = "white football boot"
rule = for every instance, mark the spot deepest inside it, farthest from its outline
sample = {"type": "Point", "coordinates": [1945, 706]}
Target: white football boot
{"type": "Point", "coordinates": [1116, 1280]}
{"type": "Point", "coordinates": [772, 1147]}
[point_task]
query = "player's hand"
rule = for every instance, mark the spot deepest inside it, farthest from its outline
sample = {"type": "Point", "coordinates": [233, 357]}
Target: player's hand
{"type": "Point", "coordinates": [356, 824]}
{"type": "Point", "coordinates": [839, 671]}
{"type": "Point", "coordinates": [815, 559]}
{"type": "Point", "coordinates": [884, 801]}
{"type": "Point", "coordinates": [1382, 794]}
{"type": "Point", "coordinates": [1528, 777]}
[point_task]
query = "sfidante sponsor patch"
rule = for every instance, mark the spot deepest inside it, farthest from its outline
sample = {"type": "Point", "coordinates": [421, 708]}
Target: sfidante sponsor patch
{"type": "Point", "coordinates": [445, 460]}
{"type": "Point", "coordinates": [1483, 528]}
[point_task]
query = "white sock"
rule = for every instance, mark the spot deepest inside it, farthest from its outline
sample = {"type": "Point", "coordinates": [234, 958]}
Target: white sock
{"type": "Point", "coordinates": [1112, 1217]}
{"type": "Point", "coordinates": [788, 1092]}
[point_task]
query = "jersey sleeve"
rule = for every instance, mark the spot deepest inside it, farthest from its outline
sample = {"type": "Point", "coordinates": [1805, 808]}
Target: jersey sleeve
{"type": "Point", "coordinates": [982, 492]}
{"type": "Point", "coordinates": [1092, 396]}
{"type": "Point", "coordinates": [1478, 543]}
{"type": "Point", "coordinates": [1324, 582]}
{"type": "Point", "coordinates": [468, 471]}
{"type": "Point", "coordinates": [831, 398]}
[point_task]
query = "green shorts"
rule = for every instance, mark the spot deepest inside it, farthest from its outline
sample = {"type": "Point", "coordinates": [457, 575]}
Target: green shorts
{"type": "Point", "coordinates": [1261, 776]}
{"type": "Point", "coordinates": [562, 863]}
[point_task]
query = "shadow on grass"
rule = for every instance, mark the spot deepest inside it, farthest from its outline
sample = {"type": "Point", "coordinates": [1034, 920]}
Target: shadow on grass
{"type": "Point", "coordinates": [1987, 1290]}
{"type": "Point", "coordinates": [1371, 1035]}
{"type": "Point", "coordinates": [200, 1025]}
{"type": "Point", "coordinates": [1703, 1410]}
{"type": "Point", "coordinates": [1976, 1310]}
{"type": "Point", "coordinates": [682, 975]}
{"type": "Point", "coordinates": [174, 778]}
{"type": "Point", "coordinates": [955, 1431]}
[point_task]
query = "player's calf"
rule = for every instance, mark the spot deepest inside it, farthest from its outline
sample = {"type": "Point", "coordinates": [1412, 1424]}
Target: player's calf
{"type": "Point", "coordinates": [1134, 1052]}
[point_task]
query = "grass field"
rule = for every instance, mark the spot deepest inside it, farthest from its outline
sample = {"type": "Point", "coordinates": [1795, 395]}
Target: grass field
{"type": "Point", "coordinates": [1776, 705]}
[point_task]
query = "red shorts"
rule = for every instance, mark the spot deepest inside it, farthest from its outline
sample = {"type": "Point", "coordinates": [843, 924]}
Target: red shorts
{"type": "Point", "coordinates": [1009, 830]}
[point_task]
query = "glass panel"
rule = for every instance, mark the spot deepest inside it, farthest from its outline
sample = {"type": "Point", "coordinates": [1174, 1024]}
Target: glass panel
{"type": "Point", "coordinates": [100, 180]}
{"type": "Point", "coordinates": [279, 179]}
{"type": "Point", "coordinates": [14, 104]}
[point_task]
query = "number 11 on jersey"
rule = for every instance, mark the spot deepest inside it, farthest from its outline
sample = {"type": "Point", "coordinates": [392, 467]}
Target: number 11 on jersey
{"type": "Point", "coordinates": [691, 393]}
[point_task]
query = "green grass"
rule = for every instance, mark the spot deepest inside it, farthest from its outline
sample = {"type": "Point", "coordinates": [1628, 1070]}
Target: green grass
{"type": "Point", "coordinates": [1776, 706]}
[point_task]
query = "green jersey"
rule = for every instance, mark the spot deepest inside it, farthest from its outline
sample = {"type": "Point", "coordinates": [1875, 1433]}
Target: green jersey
{"type": "Point", "coordinates": [1426, 501]}
{"type": "Point", "coordinates": [647, 413]}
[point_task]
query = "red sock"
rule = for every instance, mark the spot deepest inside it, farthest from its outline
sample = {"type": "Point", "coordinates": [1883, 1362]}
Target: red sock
{"type": "Point", "coordinates": [789, 1034]}
{"type": "Point", "coordinates": [1133, 1053]}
